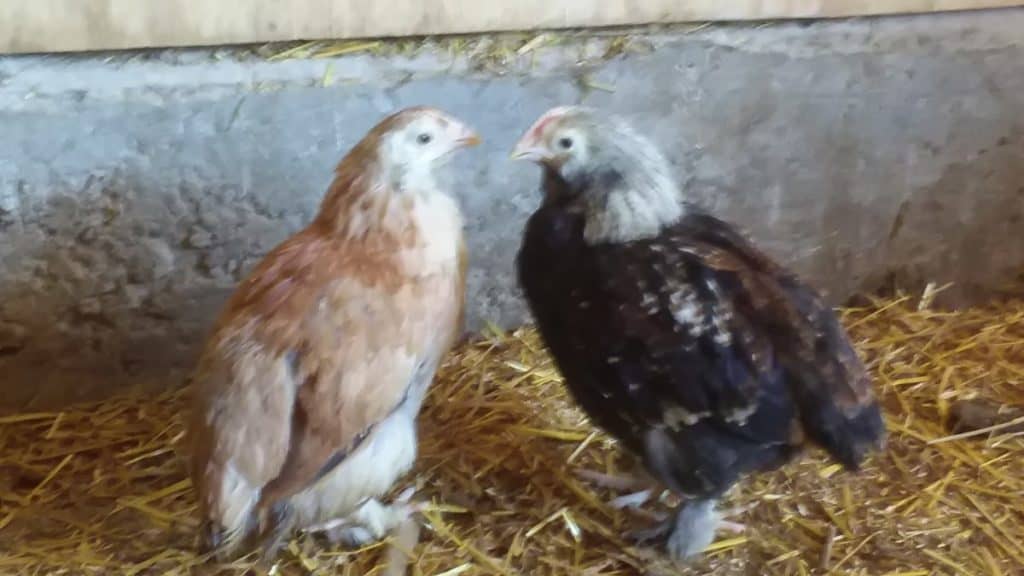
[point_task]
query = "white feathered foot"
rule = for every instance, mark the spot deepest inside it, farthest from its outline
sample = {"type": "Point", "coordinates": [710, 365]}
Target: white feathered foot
{"type": "Point", "coordinates": [689, 532]}
{"type": "Point", "coordinates": [370, 523]}
{"type": "Point", "coordinates": [686, 534]}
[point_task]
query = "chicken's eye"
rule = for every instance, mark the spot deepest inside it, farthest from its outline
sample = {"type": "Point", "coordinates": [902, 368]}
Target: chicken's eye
{"type": "Point", "coordinates": [565, 143]}
{"type": "Point", "coordinates": [424, 138]}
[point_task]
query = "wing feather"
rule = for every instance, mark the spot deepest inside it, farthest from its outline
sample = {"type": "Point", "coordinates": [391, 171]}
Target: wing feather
{"type": "Point", "coordinates": [695, 326]}
{"type": "Point", "coordinates": [683, 334]}
{"type": "Point", "coordinates": [343, 338]}
{"type": "Point", "coordinates": [732, 333]}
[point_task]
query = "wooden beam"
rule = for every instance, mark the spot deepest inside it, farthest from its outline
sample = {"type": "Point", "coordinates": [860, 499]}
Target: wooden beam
{"type": "Point", "coordinates": [82, 25]}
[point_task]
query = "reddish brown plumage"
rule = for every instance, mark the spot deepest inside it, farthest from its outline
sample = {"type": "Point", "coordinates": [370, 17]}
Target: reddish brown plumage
{"type": "Point", "coordinates": [334, 336]}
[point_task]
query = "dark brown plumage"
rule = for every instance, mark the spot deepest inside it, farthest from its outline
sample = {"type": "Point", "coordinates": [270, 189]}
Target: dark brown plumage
{"type": "Point", "coordinates": [672, 331]}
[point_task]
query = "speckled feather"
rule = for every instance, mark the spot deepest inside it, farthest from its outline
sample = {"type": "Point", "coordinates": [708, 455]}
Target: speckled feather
{"type": "Point", "coordinates": [697, 333]}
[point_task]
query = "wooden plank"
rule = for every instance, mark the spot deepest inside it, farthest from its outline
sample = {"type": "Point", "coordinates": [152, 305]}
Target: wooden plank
{"type": "Point", "coordinates": [81, 25]}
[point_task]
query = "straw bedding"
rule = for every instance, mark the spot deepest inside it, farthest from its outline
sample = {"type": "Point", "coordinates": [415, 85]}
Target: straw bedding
{"type": "Point", "coordinates": [102, 488]}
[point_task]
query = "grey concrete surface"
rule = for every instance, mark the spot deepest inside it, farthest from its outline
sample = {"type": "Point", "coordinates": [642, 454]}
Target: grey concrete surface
{"type": "Point", "coordinates": [137, 189]}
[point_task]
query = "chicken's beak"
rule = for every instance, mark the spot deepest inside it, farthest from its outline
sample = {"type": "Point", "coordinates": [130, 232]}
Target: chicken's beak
{"type": "Point", "coordinates": [467, 138]}
{"type": "Point", "coordinates": [470, 140]}
{"type": "Point", "coordinates": [528, 149]}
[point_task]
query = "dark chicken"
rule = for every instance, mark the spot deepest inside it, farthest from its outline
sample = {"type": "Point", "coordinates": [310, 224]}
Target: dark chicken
{"type": "Point", "coordinates": [672, 331]}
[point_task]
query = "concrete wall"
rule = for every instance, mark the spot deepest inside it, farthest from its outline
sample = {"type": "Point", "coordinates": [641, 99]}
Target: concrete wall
{"type": "Point", "coordinates": [137, 189]}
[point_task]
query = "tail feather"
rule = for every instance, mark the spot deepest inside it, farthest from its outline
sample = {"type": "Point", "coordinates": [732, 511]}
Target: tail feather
{"type": "Point", "coordinates": [229, 511]}
{"type": "Point", "coordinates": [847, 438]}
{"type": "Point", "coordinates": [275, 524]}
{"type": "Point", "coordinates": [210, 538]}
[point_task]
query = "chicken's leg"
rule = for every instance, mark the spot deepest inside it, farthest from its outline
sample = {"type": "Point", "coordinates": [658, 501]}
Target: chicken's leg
{"type": "Point", "coordinates": [689, 532]}
{"type": "Point", "coordinates": [369, 523]}
{"type": "Point", "coordinates": [643, 489]}
{"type": "Point", "coordinates": [694, 529]}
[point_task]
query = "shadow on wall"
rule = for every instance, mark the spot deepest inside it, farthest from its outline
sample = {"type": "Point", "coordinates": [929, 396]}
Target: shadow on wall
{"type": "Point", "coordinates": [110, 285]}
{"type": "Point", "coordinates": [982, 199]}
{"type": "Point", "coordinates": [111, 282]}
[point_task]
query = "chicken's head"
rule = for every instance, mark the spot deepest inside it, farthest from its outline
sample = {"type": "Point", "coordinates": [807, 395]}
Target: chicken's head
{"type": "Point", "coordinates": [561, 137]}
{"type": "Point", "coordinates": [621, 179]}
{"type": "Point", "coordinates": [589, 148]}
{"type": "Point", "coordinates": [419, 139]}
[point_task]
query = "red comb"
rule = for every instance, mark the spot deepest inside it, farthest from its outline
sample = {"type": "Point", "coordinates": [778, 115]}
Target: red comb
{"type": "Point", "coordinates": [539, 126]}
{"type": "Point", "coordinates": [548, 117]}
